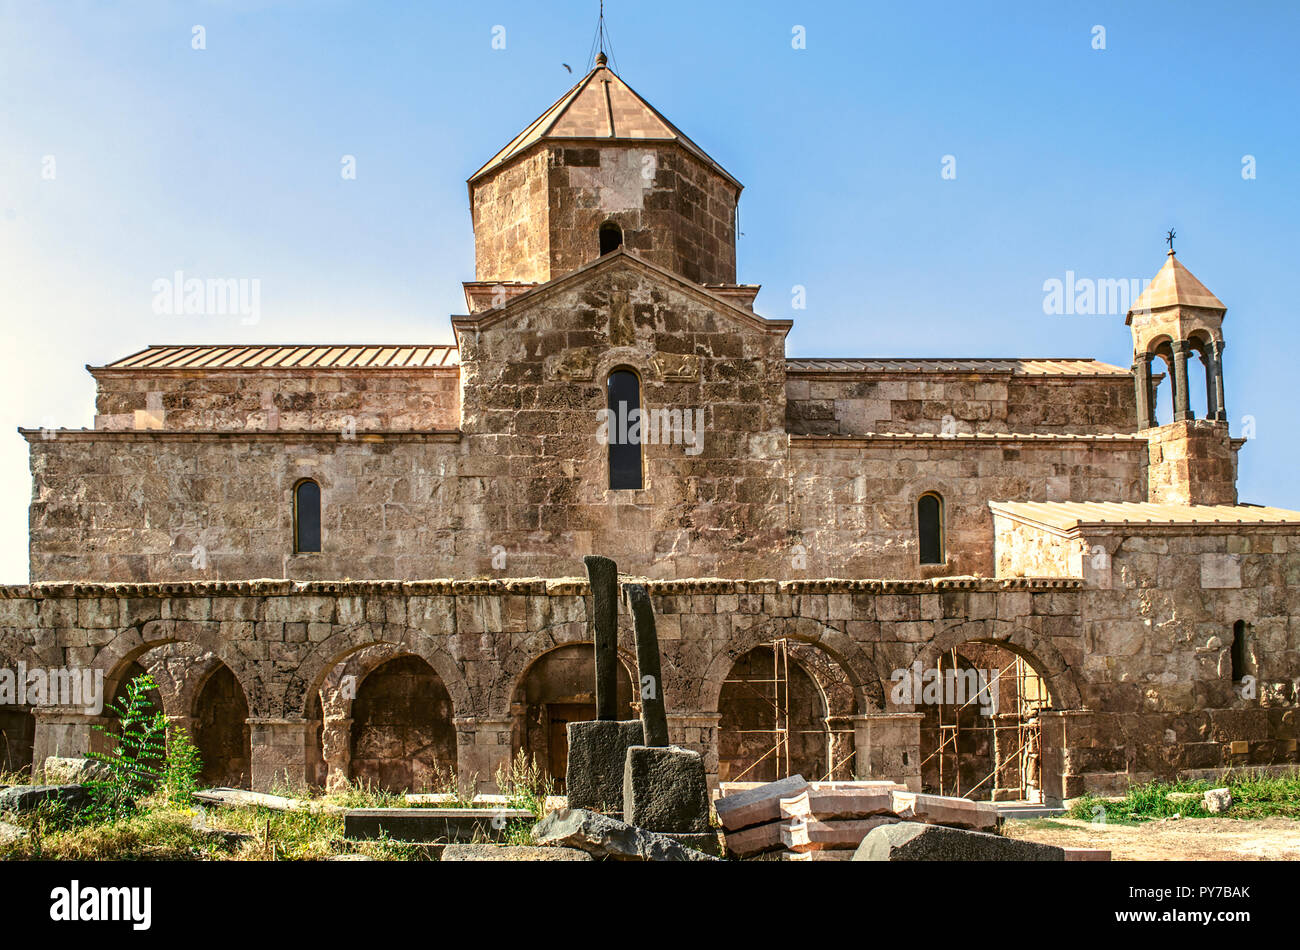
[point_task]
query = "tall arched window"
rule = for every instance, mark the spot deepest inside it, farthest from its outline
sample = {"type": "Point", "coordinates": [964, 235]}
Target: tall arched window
{"type": "Point", "coordinates": [1240, 655]}
{"type": "Point", "coordinates": [929, 526]}
{"type": "Point", "coordinates": [306, 517]}
{"type": "Point", "coordinates": [611, 237]}
{"type": "Point", "coordinates": [623, 392]}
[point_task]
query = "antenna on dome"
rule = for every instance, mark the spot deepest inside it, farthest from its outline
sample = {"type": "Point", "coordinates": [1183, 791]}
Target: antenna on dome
{"type": "Point", "coordinates": [602, 47]}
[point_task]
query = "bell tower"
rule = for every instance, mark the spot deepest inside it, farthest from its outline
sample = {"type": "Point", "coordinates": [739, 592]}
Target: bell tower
{"type": "Point", "coordinates": [599, 170]}
{"type": "Point", "coordinates": [1175, 319]}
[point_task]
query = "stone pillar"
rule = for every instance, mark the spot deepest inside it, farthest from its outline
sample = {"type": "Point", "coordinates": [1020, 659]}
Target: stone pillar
{"type": "Point", "coordinates": [1216, 355]}
{"type": "Point", "coordinates": [280, 753]}
{"type": "Point", "coordinates": [1146, 416]}
{"type": "Point", "coordinates": [336, 749]}
{"type": "Point", "coordinates": [1182, 408]}
{"type": "Point", "coordinates": [483, 748]}
{"type": "Point", "coordinates": [65, 733]}
{"type": "Point", "coordinates": [888, 747]}
{"type": "Point", "coordinates": [1060, 734]}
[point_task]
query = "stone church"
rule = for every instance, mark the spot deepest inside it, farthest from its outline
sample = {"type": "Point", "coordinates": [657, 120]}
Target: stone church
{"type": "Point", "coordinates": [998, 578]}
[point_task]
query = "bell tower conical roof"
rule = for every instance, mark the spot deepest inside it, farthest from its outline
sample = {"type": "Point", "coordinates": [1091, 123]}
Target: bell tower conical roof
{"type": "Point", "coordinates": [598, 170]}
{"type": "Point", "coordinates": [600, 106]}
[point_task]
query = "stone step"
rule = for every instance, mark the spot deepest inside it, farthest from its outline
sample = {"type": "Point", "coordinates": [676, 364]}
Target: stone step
{"type": "Point", "coordinates": [460, 825]}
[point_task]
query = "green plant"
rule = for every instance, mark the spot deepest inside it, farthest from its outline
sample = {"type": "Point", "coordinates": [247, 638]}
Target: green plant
{"type": "Point", "coordinates": [525, 785]}
{"type": "Point", "coordinates": [181, 775]}
{"type": "Point", "coordinates": [137, 753]}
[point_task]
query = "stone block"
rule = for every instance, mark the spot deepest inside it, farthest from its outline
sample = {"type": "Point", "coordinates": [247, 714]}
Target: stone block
{"type": "Point", "coordinates": [830, 835]}
{"type": "Point", "coordinates": [944, 810]}
{"type": "Point", "coordinates": [1218, 800]}
{"type": "Point", "coordinates": [25, 798]}
{"type": "Point", "coordinates": [665, 789]}
{"type": "Point", "coordinates": [456, 825]}
{"type": "Point", "coordinates": [492, 852]}
{"type": "Point", "coordinates": [829, 802]}
{"type": "Point", "coordinates": [597, 756]}
{"type": "Point", "coordinates": [605, 837]}
{"type": "Point", "coordinates": [757, 805]}
{"type": "Point", "coordinates": [756, 839]}
{"type": "Point", "coordinates": [912, 841]}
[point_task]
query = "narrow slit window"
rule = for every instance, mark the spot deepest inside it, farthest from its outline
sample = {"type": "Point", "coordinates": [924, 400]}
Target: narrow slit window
{"type": "Point", "coordinates": [1240, 658]}
{"type": "Point", "coordinates": [929, 523]}
{"type": "Point", "coordinates": [623, 390]}
{"type": "Point", "coordinates": [306, 518]}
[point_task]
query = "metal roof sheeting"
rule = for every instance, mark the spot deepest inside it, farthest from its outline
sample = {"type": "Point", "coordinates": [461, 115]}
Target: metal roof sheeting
{"type": "Point", "coordinates": [1066, 515]}
{"type": "Point", "coordinates": [1017, 367]}
{"type": "Point", "coordinates": [341, 356]}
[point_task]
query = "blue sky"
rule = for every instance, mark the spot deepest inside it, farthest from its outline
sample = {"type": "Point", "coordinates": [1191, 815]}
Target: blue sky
{"type": "Point", "coordinates": [225, 162]}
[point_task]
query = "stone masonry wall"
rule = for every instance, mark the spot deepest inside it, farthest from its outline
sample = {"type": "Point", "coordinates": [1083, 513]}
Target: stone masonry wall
{"type": "Point", "coordinates": [263, 400]}
{"type": "Point", "coordinates": [1158, 623]}
{"type": "Point", "coordinates": [1117, 689]}
{"type": "Point", "coordinates": [988, 402]}
{"type": "Point", "coordinates": [538, 218]}
{"type": "Point", "coordinates": [854, 500]}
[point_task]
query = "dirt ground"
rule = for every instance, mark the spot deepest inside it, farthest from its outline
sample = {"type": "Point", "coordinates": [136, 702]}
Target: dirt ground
{"type": "Point", "coordinates": [1189, 839]}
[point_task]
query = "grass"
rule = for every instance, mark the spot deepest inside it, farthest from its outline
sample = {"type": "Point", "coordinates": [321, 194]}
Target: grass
{"type": "Point", "coordinates": [165, 831]}
{"type": "Point", "coordinates": [1254, 795]}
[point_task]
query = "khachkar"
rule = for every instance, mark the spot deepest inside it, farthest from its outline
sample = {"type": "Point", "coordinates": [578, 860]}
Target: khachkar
{"type": "Point", "coordinates": [598, 749]}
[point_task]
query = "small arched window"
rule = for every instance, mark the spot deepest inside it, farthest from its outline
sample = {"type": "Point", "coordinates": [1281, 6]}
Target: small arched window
{"type": "Point", "coordinates": [929, 526]}
{"type": "Point", "coordinates": [623, 399]}
{"type": "Point", "coordinates": [611, 237]}
{"type": "Point", "coordinates": [1240, 655]}
{"type": "Point", "coordinates": [306, 517]}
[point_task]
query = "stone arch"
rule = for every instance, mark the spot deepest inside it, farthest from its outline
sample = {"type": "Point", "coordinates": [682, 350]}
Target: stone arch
{"type": "Point", "coordinates": [132, 643]}
{"type": "Point", "coordinates": [856, 664]}
{"type": "Point", "coordinates": [555, 688]}
{"type": "Point", "coordinates": [1036, 650]}
{"type": "Point", "coordinates": [312, 672]}
{"type": "Point", "coordinates": [219, 713]}
{"type": "Point", "coordinates": [401, 735]}
{"type": "Point", "coordinates": [777, 716]}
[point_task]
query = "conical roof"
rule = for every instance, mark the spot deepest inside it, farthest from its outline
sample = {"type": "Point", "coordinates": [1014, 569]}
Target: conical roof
{"type": "Point", "coordinates": [600, 106]}
{"type": "Point", "coordinates": [1173, 286]}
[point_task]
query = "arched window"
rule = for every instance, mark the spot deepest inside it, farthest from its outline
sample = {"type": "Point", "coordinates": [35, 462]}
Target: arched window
{"type": "Point", "coordinates": [611, 237]}
{"type": "Point", "coordinates": [929, 526]}
{"type": "Point", "coordinates": [623, 392]}
{"type": "Point", "coordinates": [1240, 656]}
{"type": "Point", "coordinates": [306, 517]}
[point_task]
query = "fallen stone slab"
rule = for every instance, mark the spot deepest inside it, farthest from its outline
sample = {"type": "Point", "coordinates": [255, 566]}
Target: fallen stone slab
{"type": "Point", "coordinates": [10, 834]}
{"type": "Point", "coordinates": [914, 841]}
{"type": "Point", "coordinates": [710, 842]}
{"type": "Point", "coordinates": [597, 758]}
{"type": "Point", "coordinates": [837, 855]}
{"type": "Point", "coordinates": [1217, 801]}
{"type": "Point", "coordinates": [1086, 854]}
{"type": "Point", "coordinates": [840, 803]}
{"type": "Point", "coordinates": [242, 798]}
{"type": "Point", "coordinates": [481, 800]}
{"type": "Point", "coordinates": [665, 788]}
{"type": "Point", "coordinates": [349, 857]}
{"type": "Point", "coordinates": [757, 839]}
{"type": "Point", "coordinates": [462, 825]}
{"type": "Point", "coordinates": [491, 852]}
{"type": "Point", "coordinates": [945, 810]}
{"type": "Point", "coordinates": [816, 835]}
{"type": "Point", "coordinates": [25, 798]}
{"type": "Point", "coordinates": [605, 837]}
{"type": "Point", "coordinates": [757, 805]}
{"type": "Point", "coordinates": [59, 770]}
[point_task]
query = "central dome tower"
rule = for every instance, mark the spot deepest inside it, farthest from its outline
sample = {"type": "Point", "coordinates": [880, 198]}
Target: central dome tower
{"type": "Point", "coordinates": [599, 169]}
